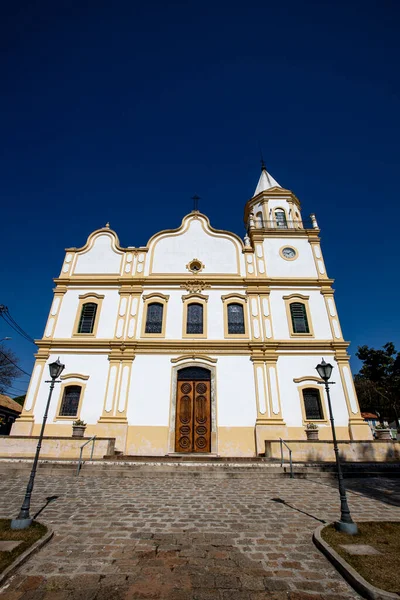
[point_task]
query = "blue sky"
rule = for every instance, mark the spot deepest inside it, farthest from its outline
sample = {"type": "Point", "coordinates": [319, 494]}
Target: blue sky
{"type": "Point", "coordinates": [121, 111]}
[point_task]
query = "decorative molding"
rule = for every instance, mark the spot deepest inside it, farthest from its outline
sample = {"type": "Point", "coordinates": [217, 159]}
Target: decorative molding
{"type": "Point", "coordinates": [233, 296]}
{"type": "Point", "coordinates": [194, 296]}
{"type": "Point", "coordinates": [200, 357]}
{"type": "Point", "coordinates": [195, 287]}
{"type": "Point", "coordinates": [296, 296]}
{"type": "Point", "coordinates": [195, 266]}
{"type": "Point", "coordinates": [155, 295]}
{"type": "Point", "coordinates": [74, 376]}
{"type": "Point", "coordinates": [91, 295]}
{"type": "Point", "coordinates": [308, 378]}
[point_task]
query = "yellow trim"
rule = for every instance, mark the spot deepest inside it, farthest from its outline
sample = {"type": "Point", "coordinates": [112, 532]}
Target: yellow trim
{"type": "Point", "coordinates": [328, 296]}
{"type": "Point", "coordinates": [207, 228]}
{"type": "Point", "coordinates": [59, 417]}
{"type": "Point", "coordinates": [194, 299]}
{"type": "Point", "coordinates": [308, 378]}
{"type": "Point", "coordinates": [235, 299]}
{"type": "Point", "coordinates": [91, 295]}
{"type": "Point", "coordinates": [296, 296]}
{"type": "Point", "coordinates": [303, 300]}
{"type": "Point", "coordinates": [155, 295]}
{"type": "Point", "coordinates": [200, 357]}
{"type": "Point", "coordinates": [234, 295]}
{"type": "Point", "coordinates": [300, 389]}
{"type": "Point", "coordinates": [191, 263]}
{"type": "Point", "coordinates": [94, 299]}
{"type": "Point", "coordinates": [59, 294]}
{"type": "Point", "coordinates": [295, 257]}
{"type": "Point", "coordinates": [152, 299]}
{"type": "Point", "coordinates": [75, 376]}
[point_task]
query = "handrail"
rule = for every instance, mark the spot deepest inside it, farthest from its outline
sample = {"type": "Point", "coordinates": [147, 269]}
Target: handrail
{"type": "Point", "coordinates": [92, 439]}
{"type": "Point", "coordinates": [282, 443]}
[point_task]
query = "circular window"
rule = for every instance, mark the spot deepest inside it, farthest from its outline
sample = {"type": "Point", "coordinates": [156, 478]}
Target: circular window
{"type": "Point", "coordinates": [288, 253]}
{"type": "Point", "coordinates": [195, 266]}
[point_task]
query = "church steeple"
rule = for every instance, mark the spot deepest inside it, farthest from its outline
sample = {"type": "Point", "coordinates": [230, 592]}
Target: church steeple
{"type": "Point", "coordinates": [266, 181]}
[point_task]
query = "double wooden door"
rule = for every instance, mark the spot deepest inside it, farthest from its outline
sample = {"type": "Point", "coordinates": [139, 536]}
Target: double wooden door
{"type": "Point", "coordinates": [193, 416]}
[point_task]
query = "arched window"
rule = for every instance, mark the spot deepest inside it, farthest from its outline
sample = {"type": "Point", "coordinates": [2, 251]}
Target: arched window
{"type": "Point", "coordinates": [235, 318]}
{"type": "Point", "coordinates": [88, 317]}
{"type": "Point", "coordinates": [154, 318]}
{"type": "Point", "coordinates": [312, 404]}
{"type": "Point", "coordinates": [194, 323]}
{"type": "Point", "coordinates": [70, 401]}
{"type": "Point", "coordinates": [259, 220]}
{"type": "Point", "coordinates": [194, 373]}
{"type": "Point", "coordinates": [280, 218]}
{"type": "Point", "coordinates": [299, 318]}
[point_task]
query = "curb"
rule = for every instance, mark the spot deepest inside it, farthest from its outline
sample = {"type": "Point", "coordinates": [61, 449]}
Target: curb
{"type": "Point", "coordinates": [27, 554]}
{"type": "Point", "coordinates": [350, 575]}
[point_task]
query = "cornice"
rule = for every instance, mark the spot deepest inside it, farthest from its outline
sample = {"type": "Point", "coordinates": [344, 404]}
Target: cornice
{"type": "Point", "coordinates": [135, 286]}
{"type": "Point", "coordinates": [203, 346]}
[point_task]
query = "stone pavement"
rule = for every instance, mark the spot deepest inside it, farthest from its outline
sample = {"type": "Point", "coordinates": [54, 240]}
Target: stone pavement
{"type": "Point", "coordinates": [182, 537]}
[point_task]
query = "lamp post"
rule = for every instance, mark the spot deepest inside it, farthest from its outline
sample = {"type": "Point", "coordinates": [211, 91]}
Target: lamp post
{"type": "Point", "coordinates": [346, 523]}
{"type": "Point", "coordinates": [24, 520]}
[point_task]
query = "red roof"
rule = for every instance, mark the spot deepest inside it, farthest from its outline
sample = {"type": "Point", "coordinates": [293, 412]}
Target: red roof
{"type": "Point", "coordinates": [369, 415]}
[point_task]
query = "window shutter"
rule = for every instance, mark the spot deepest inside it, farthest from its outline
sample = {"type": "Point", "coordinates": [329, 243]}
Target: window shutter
{"type": "Point", "coordinates": [88, 317]}
{"type": "Point", "coordinates": [299, 318]}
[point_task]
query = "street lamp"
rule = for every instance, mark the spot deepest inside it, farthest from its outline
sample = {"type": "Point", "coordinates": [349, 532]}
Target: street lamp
{"type": "Point", "coordinates": [24, 520]}
{"type": "Point", "coordinates": [346, 523]}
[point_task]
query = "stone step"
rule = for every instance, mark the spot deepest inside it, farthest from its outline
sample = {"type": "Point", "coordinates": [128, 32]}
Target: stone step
{"type": "Point", "coordinates": [208, 469]}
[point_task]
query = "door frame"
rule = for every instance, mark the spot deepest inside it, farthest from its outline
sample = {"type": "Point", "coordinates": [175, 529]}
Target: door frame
{"type": "Point", "coordinates": [205, 364]}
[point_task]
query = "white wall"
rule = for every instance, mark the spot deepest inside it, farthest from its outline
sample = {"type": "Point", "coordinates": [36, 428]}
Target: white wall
{"type": "Point", "coordinates": [69, 308]}
{"type": "Point", "coordinates": [292, 367]}
{"type": "Point", "coordinates": [319, 316]}
{"type": "Point", "coordinates": [236, 397]}
{"type": "Point", "coordinates": [302, 266]}
{"type": "Point", "coordinates": [175, 312]}
{"type": "Point", "coordinates": [150, 390]}
{"type": "Point", "coordinates": [220, 253]}
{"type": "Point", "coordinates": [94, 365]}
{"type": "Point", "coordinates": [102, 257]}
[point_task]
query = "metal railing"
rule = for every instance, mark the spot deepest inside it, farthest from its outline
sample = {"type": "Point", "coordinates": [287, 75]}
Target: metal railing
{"type": "Point", "coordinates": [283, 443]}
{"type": "Point", "coordinates": [80, 462]}
{"type": "Point", "coordinates": [284, 225]}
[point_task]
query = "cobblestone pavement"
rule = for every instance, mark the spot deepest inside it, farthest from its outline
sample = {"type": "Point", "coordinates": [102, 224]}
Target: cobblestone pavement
{"type": "Point", "coordinates": [182, 538]}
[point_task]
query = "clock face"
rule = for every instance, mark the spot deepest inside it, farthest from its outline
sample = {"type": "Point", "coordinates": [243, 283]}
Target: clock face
{"type": "Point", "coordinates": [289, 252]}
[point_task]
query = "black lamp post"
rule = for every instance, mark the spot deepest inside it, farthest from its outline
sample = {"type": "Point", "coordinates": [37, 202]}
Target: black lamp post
{"type": "Point", "coordinates": [24, 520]}
{"type": "Point", "coordinates": [346, 523]}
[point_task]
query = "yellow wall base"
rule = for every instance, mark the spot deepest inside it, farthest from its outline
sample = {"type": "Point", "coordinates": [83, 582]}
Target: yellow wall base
{"type": "Point", "coordinates": [351, 451]}
{"type": "Point", "coordinates": [147, 441]}
{"type": "Point", "coordinates": [360, 430]}
{"type": "Point", "coordinates": [54, 447]}
{"type": "Point", "coordinates": [22, 427]}
{"type": "Point", "coordinates": [236, 441]}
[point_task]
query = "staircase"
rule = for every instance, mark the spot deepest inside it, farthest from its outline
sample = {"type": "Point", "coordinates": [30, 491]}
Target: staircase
{"type": "Point", "coordinates": [196, 466]}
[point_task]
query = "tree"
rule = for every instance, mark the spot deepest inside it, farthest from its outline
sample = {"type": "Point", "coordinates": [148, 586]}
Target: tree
{"type": "Point", "coordinates": [20, 399]}
{"type": "Point", "coordinates": [378, 381]}
{"type": "Point", "coordinates": [8, 370]}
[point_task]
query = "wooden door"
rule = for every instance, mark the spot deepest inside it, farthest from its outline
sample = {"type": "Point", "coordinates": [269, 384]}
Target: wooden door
{"type": "Point", "coordinates": [193, 417]}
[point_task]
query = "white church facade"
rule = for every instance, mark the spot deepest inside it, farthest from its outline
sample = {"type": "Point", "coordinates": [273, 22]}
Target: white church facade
{"type": "Point", "coordinates": [199, 342]}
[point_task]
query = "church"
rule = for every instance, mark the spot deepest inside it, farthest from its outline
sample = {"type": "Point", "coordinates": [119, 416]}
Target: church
{"type": "Point", "coordinates": [198, 342]}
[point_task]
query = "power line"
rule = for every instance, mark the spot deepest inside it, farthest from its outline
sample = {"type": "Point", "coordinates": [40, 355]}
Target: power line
{"type": "Point", "coordinates": [6, 316]}
{"type": "Point", "coordinates": [13, 363]}
{"type": "Point", "coordinates": [11, 387]}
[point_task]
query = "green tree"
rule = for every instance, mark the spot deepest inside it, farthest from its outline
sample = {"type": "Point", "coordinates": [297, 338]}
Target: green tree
{"type": "Point", "coordinates": [378, 381]}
